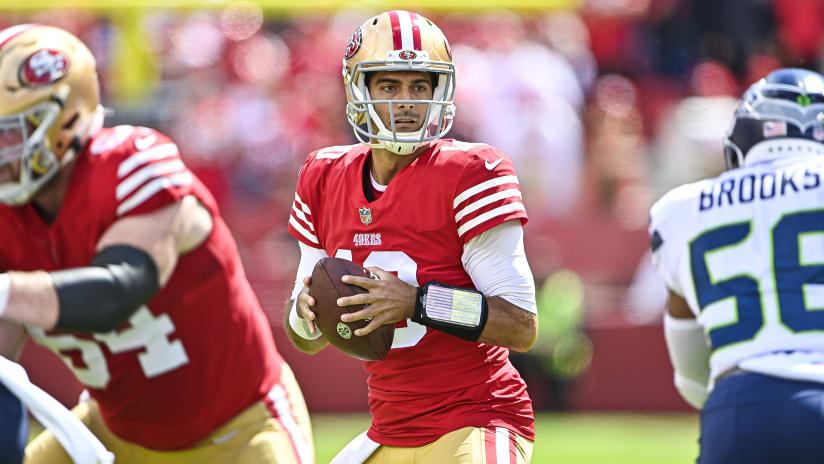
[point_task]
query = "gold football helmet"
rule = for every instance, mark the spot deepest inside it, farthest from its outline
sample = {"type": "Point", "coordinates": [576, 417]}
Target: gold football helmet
{"type": "Point", "coordinates": [398, 41]}
{"type": "Point", "coordinates": [49, 105]}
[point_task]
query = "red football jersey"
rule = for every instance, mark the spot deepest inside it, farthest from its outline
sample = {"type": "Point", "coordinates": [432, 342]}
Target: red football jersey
{"type": "Point", "coordinates": [430, 383]}
{"type": "Point", "coordinates": [201, 350]}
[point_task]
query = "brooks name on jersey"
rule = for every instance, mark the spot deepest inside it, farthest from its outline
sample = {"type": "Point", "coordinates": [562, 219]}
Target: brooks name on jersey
{"type": "Point", "coordinates": [745, 187]}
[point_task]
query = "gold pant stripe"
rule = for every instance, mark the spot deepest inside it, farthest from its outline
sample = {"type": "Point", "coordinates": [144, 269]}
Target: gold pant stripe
{"type": "Point", "coordinates": [254, 436]}
{"type": "Point", "coordinates": [282, 410]}
{"type": "Point", "coordinates": [469, 445]}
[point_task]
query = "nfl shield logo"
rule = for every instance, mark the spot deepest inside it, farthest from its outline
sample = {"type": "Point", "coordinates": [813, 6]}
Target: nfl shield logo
{"type": "Point", "coordinates": [818, 133]}
{"type": "Point", "coordinates": [365, 216]}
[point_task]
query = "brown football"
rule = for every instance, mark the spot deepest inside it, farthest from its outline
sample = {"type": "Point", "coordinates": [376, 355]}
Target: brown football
{"type": "Point", "coordinates": [326, 287]}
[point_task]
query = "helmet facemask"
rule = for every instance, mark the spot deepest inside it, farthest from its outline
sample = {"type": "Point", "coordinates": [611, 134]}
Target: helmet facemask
{"type": "Point", "coordinates": [365, 121]}
{"type": "Point", "coordinates": [37, 161]}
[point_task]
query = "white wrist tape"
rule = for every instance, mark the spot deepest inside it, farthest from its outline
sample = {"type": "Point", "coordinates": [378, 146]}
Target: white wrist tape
{"type": "Point", "coordinates": [5, 287]}
{"type": "Point", "coordinates": [299, 324]}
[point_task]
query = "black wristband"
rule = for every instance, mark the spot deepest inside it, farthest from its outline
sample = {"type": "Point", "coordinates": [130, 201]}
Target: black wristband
{"type": "Point", "coordinates": [464, 330]}
{"type": "Point", "coordinates": [103, 296]}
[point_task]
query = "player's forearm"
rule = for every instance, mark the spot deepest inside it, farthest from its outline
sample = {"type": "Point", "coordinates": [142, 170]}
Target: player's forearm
{"type": "Point", "coordinates": [689, 354]}
{"type": "Point", "coordinates": [96, 298]}
{"type": "Point", "coordinates": [12, 338]}
{"type": "Point", "coordinates": [302, 344]}
{"type": "Point", "coordinates": [32, 299]}
{"type": "Point", "coordinates": [509, 326]}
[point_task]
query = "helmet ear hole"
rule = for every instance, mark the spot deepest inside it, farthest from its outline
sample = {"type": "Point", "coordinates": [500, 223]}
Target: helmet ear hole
{"type": "Point", "coordinates": [730, 158]}
{"type": "Point", "coordinates": [68, 124]}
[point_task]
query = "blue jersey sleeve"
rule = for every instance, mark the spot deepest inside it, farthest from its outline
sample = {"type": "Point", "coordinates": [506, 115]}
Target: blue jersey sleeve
{"type": "Point", "coordinates": [14, 427]}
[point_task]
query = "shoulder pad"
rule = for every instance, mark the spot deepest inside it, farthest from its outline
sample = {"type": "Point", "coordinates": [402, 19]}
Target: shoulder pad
{"type": "Point", "coordinates": [124, 141]}
{"type": "Point", "coordinates": [673, 201]}
{"type": "Point", "coordinates": [335, 152]}
{"type": "Point", "coordinates": [320, 160]}
{"type": "Point", "coordinates": [456, 146]}
{"type": "Point", "coordinates": [109, 139]}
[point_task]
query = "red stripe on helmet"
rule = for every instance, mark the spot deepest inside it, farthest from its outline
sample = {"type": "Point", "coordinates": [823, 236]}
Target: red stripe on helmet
{"type": "Point", "coordinates": [396, 30]}
{"type": "Point", "coordinates": [9, 33]}
{"type": "Point", "coordinates": [416, 31]}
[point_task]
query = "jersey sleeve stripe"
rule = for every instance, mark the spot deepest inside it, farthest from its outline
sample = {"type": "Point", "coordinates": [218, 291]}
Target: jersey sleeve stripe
{"type": "Point", "coordinates": [501, 210]}
{"type": "Point", "coordinates": [302, 230]}
{"type": "Point", "coordinates": [303, 206]}
{"type": "Point", "coordinates": [142, 157]}
{"type": "Point", "coordinates": [474, 190]}
{"type": "Point", "coordinates": [147, 191]}
{"type": "Point", "coordinates": [472, 207]}
{"type": "Point", "coordinates": [142, 175]}
{"type": "Point", "coordinates": [302, 216]}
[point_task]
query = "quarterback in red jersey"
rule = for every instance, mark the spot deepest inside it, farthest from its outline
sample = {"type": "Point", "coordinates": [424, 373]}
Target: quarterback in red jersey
{"type": "Point", "coordinates": [117, 259]}
{"type": "Point", "coordinates": [440, 223]}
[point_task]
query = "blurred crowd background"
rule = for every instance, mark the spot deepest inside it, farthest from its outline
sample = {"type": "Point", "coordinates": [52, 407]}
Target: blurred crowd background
{"type": "Point", "coordinates": [603, 105]}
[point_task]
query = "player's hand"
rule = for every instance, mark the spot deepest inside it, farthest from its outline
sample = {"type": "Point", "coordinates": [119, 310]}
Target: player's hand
{"type": "Point", "coordinates": [305, 303]}
{"type": "Point", "coordinates": [389, 298]}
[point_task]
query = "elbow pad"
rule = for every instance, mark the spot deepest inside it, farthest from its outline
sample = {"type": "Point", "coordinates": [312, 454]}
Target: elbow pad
{"type": "Point", "coordinates": [101, 297]}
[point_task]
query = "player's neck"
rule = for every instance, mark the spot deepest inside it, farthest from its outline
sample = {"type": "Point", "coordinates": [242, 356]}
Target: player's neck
{"type": "Point", "coordinates": [386, 164]}
{"type": "Point", "coordinates": [48, 199]}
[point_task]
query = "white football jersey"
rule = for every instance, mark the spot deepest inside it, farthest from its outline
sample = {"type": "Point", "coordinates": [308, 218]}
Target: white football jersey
{"type": "Point", "coordinates": [746, 251]}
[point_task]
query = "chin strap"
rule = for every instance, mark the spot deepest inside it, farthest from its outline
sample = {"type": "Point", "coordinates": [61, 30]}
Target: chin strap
{"type": "Point", "coordinates": [398, 148]}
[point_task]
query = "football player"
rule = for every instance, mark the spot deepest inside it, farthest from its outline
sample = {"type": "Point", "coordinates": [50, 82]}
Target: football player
{"type": "Point", "coordinates": [14, 427]}
{"type": "Point", "coordinates": [439, 221]}
{"type": "Point", "coordinates": [742, 256]}
{"type": "Point", "coordinates": [118, 260]}
{"type": "Point", "coordinates": [16, 392]}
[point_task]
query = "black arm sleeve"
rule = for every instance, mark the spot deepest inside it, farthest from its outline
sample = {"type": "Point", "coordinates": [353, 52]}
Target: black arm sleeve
{"type": "Point", "coordinates": [101, 297]}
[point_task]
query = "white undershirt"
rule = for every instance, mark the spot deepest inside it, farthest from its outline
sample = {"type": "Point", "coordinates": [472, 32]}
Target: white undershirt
{"type": "Point", "coordinates": [495, 261]}
{"type": "Point", "coordinates": [375, 185]}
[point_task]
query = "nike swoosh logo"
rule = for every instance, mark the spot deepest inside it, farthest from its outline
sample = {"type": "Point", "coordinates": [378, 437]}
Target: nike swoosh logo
{"type": "Point", "coordinates": [144, 142]}
{"type": "Point", "coordinates": [493, 164]}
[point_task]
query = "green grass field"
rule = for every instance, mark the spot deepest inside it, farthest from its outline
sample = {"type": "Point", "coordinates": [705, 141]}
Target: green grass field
{"type": "Point", "coordinates": [580, 438]}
